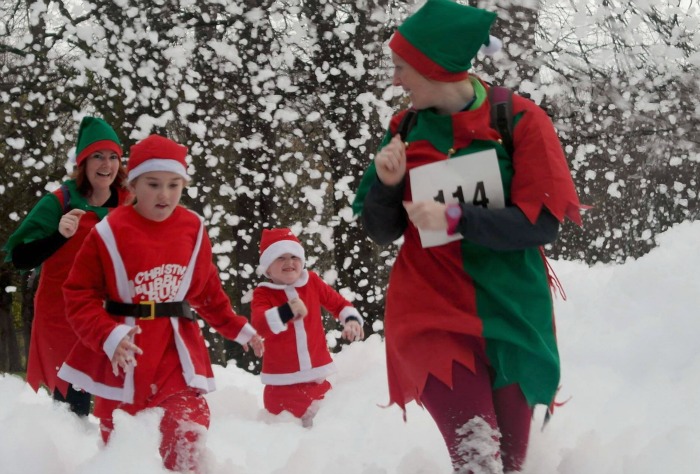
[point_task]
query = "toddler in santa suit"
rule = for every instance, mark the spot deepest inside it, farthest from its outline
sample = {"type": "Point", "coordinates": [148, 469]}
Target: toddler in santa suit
{"type": "Point", "coordinates": [287, 312]}
{"type": "Point", "coordinates": [128, 298]}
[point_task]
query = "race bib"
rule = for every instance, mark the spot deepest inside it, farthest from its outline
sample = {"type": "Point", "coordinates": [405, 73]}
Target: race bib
{"type": "Point", "coordinates": [474, 179]}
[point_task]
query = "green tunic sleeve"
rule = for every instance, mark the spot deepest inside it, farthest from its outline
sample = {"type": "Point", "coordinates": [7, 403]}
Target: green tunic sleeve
{"type": "Point", "coordinates": [367, 180]}
{"type": "Point", "coordinates": [42, 221]}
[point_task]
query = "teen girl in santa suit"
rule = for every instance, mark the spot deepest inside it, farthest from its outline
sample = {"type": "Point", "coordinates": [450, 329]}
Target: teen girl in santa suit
{"type": "Point", "coordinates": [129, 298]}
{"type": "Point", "coordinates": [50, 237]}
{"type": "Point", "coordinates": [287, 312]}
{"type": "Point", "coordinates": [469, 322]}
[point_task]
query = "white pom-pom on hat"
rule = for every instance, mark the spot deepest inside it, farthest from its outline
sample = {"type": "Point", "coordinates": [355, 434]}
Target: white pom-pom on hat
{"type": "Point", "coordinates": [494, 46]}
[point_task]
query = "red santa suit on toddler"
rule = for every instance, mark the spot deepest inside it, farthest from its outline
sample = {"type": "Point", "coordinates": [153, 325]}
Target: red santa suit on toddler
{"type": "Point", "coordinates": [129, 259]}
{"type": "Point", "coordinates": [296, 361]}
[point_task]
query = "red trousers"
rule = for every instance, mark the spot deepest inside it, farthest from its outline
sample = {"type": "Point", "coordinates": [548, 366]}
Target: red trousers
{"type": "Point", "coordinates": [185, 420]}
{"type": "Point", "coordinates": [296, 398]}
{"type": "Point", "coordinates": [472, 417]}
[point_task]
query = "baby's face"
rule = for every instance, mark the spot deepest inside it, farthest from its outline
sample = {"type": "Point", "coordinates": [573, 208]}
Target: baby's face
{"type": "Point", "coordinates": [285, 269]}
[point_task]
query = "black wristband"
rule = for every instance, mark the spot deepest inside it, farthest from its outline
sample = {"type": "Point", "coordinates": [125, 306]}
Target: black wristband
{"type": "Point", "coordinates": [286, 313]}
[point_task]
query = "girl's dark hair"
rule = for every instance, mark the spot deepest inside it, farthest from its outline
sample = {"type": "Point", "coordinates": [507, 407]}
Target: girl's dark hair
{"type": "Point", "coordinates": [83, 184]}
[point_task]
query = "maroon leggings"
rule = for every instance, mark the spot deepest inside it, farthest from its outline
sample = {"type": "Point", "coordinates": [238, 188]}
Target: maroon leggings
{"type": "Point", "coordinates": [471, 417]}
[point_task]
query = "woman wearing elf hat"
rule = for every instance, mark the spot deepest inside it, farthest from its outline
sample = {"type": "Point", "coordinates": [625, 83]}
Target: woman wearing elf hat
{"type": "Point", "coordinates": [51, 235]}
{"type": "Point", "coordinates": [129, 297]}
{"type": "Point", "coordinates": [469, 321]}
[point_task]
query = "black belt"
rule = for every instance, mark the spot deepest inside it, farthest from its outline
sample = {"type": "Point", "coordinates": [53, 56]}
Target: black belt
{"type": "Point", "coordinates": [151, 309]}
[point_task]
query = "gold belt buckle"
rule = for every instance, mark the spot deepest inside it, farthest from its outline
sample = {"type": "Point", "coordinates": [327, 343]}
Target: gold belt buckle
{"type": "Point", "coordinates": [152, 304]}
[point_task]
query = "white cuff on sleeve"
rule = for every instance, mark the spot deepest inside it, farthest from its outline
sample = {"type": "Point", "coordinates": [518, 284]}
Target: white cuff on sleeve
{"type": "Point", "coordinates": [115, 337]}
{"type": "Point", "coordinates": [274, 320]}
{"type": "Point", "coordinates": [350, 311]}
{"type": "Point", "coordinates": [246, 334]}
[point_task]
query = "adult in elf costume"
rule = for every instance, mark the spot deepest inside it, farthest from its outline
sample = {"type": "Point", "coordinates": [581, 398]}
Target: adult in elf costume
{"type": "Point", "coordinates": [128, 298]}
{"type": "Point", "coordinates": [287, 312]}
{"type": "Point", "coordinates": [469, 321]}
{"type": "Point", "coordinates": [50, 237]}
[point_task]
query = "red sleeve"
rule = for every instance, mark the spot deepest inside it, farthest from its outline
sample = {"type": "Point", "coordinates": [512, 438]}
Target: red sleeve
{"type": "Point", "coordinates": [263, 301]}
{"type": "Point", "coordinates": [208, 298]}
{"type": "Point", "coordinates": [542, 176]}
{"type": "Point", "coordinates": [331, 299]}
{"type": "Point", "coordinates": [84, 291]}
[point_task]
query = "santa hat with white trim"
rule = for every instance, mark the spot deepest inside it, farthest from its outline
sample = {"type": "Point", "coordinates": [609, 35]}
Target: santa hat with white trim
{"type": "Point", "coordinates": [157, 153]}
{"type": "Point", "coordinates": [277, 242]}
{"type": "Point", "coordinates": [441, 39]}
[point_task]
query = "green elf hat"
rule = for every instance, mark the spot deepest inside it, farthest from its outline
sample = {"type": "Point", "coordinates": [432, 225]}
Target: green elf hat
{"type": "Point", "coordinates": [95, 134]}
{"type": "Point", "coordinates": [441, 39]}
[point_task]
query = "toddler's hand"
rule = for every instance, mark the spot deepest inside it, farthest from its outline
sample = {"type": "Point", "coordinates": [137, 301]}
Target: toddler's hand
{"type": "Point", "coordinates": [124, 355]}
{"type": "Point", "coordinates": [298, 308]}
{"type": "Point", "coordinates": [353, 331]}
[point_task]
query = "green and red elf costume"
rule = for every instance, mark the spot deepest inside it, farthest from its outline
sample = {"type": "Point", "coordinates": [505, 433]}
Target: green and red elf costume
{"type": "Point", "coordinates": [481, 303]}
{"type": "Point", "coordinates": [37, 242]}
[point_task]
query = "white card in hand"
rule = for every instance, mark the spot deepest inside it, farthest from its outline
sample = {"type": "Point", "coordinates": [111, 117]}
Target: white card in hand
{"type": "Point", "coordinates": [474, 179]}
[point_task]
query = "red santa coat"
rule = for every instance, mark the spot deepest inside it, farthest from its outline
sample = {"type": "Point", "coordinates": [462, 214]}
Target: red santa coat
{"type": "Point", "coordinates": [129, 258]}
{"type": "Point", "coordinates": [297, 352]}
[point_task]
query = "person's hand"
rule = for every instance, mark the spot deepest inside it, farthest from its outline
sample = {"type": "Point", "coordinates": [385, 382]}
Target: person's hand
{"type": "Point", "coordinates": [124, 355]}
{"type": "Point", "coordinates": [68, 224]}
{"type": "Point", "coordinates": [390, 162]}
{"type": "Point", "coordinates": [258, 345]}
{"type": "Point", "coordinates": [298, 309]}
{"type": "Point", "coordinates": [427, 215]}
{"type": "Point", "coordinates": [353, 331]}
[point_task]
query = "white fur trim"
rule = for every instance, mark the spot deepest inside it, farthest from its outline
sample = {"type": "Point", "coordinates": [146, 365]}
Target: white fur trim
{"type": "Point", "coordinates": [159, 164]}
{"type": "Point", "coordinates": [129, 385]}
{"type": "Point", "coordinates": [202, 383]}
{"type": "Point", "coordinates": [302, 376]}
{"type": "Point", "coordinates": [114, 338]}
{"type": "Point", "coordinates": [192, 378]}
{"type": "Point", "coordinates": [274, 321]}
{"type": "Point", "coordinates": [289, 289]}
{"type": "Point", "coordinates": [350, 311]}
{"type": "Point", "coordinates": [302, 346]}
{"type": "Point", "coordinates": [246, 334]}
{"type": "Point", "coordinates": [85, 382]}
{"type": "Point", "coordinates": [187, 277]}
{"type": "Point", "coordinates": [291, 293]}
{"type": "Point", "coordinates": [105, 231]}
{"type": "Point", "coordinates": [280, 248]}
{"type": "Point", "coordinates": [494, 46]}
